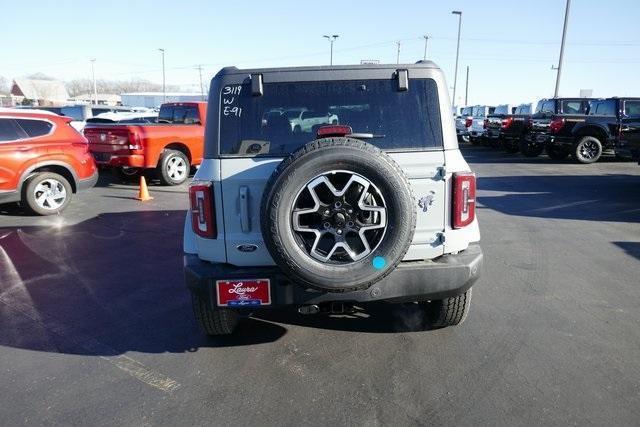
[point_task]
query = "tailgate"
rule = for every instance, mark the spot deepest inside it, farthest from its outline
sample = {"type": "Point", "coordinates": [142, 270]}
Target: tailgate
{"type": "Point", "coordinates": [110, 139]}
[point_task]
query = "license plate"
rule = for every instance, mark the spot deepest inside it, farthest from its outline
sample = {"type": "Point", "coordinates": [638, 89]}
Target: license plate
{"type": "Point", "coordinates": [541, 138]}
{"type": "Point", "coordinates": [243, 293]}
{"type": "Point", "coordinates": [102, 157]}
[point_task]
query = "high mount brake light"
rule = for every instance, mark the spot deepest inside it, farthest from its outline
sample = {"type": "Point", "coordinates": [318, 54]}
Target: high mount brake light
{"type": "Point", "coordinates": [464, 199]}
{"type": "Point", "coordinates": [334, 130]}
{"type": "Point", "coordinates": [556, 125]}
{"type": "Point", "coordinates": [202, 210]}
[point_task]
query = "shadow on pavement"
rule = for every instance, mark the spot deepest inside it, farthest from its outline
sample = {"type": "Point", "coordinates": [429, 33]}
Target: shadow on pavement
{"type": "Point", "coordinates": [476, 154]}
{"type": "Point", "coordinates": [105, 286]}
{"type": "Point", "coordinates": [631, 248]}
{"type": "Point", "coordinates": [612, 197]}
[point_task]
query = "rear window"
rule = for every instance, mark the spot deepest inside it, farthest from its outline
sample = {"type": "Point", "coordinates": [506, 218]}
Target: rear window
{"type": "Point", "coordinates": [288, 115]}
{"type": "Point", "coordinates": [632, 108]}
{"type": "Point", "coordinates": [35, 128]}
{"type": "Point", "coordinates": [179, 114]}
{"type": "Point", "coordinates": [546, 107]}
{"type": "Point", "coordinates": [467, 111]}
{"type": "Point", "coordinates": [502, 109]}
{"type": "Point", "coordinates": [76, 113]}
{"type": "Point", "coordinates": [524, 109]}
{"type": "Point", "coordinates": [478, 111]}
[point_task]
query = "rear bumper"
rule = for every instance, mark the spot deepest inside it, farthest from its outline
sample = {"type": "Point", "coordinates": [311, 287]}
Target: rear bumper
{"type": "Point", "coordinates": [105, 159]}
{"type": "Point", "coordinates": [87, 183]}
{"type": "Point", "coordinates": [444, 277]}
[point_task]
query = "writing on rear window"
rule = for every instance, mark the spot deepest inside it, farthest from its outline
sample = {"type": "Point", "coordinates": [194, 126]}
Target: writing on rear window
{"type": "Point", "coordinates": [288, 115]}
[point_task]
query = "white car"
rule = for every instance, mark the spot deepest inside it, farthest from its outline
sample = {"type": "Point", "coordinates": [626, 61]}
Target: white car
{"type": "Point", "coordinates": [303, 120]}
{"type": "Point", "coordinates": [477, 130]}
{"type": "Point", "coordinates": [380, 210]}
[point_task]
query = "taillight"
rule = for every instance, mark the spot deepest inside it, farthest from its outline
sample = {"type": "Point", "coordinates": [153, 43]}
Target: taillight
{"type": "Point", "coordinates": [485, 124]}
{"type": "Point", "coordinates": [464, 199]}
{"type": "Point", "coordinates": [556, 125]}
{"type": "Point", "coordinates": [334, 130]}
{"type": "Point", "coordinates": [202, 209]}
{"type": "Point", "coordinates": [468, 122]}
{"type": "Point", "coordinates": [506, 122]}
{"type": "Point", "coordinates": [529, 123]}
{"type": "Point", "coordinates": [134, 141]}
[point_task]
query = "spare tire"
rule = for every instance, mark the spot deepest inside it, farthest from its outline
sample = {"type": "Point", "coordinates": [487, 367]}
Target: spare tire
{"type": "Point", "coordinates": [338, 215]}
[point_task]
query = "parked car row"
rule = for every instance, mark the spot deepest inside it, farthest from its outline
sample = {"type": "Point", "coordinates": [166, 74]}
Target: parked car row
{"type": "Point", "coordinates": [45, 159]}
{"type": "Point", "coordinates": [583, 128]}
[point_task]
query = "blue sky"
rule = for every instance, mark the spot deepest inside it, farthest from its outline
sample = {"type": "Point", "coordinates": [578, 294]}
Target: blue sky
{"type": "Point", "coordinates": [509, 46]}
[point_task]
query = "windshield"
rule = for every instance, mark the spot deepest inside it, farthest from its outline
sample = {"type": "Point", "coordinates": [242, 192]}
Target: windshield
{"type": "Point", "coordinates": [401, 120]}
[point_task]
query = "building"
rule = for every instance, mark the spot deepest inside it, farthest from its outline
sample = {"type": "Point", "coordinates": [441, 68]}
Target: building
{"type": "Point", "coordinates": [39, 92]}
{"type": "Point", "coordinates": [155, 99]}
{"type": "Point", "coordinates": [103, 99]}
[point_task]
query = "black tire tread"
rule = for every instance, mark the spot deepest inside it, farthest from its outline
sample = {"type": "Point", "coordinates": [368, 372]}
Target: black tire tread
{"type": "Point", "coordinates": [449, 311]}
{"type": "Point", "coordinates": [214, 322]}
{"type": "Point", "coordinates": [268, 222]}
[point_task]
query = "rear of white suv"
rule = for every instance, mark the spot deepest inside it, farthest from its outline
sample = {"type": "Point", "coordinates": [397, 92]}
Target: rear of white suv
{"type": "Point", "coordinates": [377, 205]}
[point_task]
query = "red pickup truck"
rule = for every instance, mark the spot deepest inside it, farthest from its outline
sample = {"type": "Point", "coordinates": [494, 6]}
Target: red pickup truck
{"type": "Point", "coordinates": [171, 146]}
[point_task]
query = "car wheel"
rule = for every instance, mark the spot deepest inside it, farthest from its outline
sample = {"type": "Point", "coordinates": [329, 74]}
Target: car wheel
{"type": "Point", "coordinates": [511, 147]}
{"type": "Point", "coordinates": [447, 312]}
{"type": "Point", "coordinates": [126, 175]}
{"type": "Point", "coordinates": [587, 150]}
{"type": "Point", "coordinates": [47, 193]}
{"type": "Point", "coordinates": [556, 152]}
{"type": "Point", "coordinates": [174, 167]}
{"type": "Point", "coordinates": [338, 215]}
{"type": "Point", "coordinates": [219, 321]}
{"type": "Point", "coordinates": [530, 148]}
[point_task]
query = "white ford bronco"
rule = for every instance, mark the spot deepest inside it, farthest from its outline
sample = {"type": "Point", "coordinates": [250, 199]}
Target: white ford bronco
{"type": "Point", "coordinates": [377, 205]}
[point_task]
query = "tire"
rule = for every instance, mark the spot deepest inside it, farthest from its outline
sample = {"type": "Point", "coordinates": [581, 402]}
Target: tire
{"type": "Point", "coordinates": [556, 152]}
{"type": "Point", "coordinates": [305, 257]}
{"type": "Point", "coordinates": [34, 194]}
{"type": "Point", "coordinates": [219, 321]}
{"type": "Point", "coordinates": [511, 147]}
{"type": "Point", "coordinates": [174, 167]}
{"type": "Point", "coordinates": [447, 312]}
{"type": "Point", "coordinates": [587, 150]}
{"type": "Point", "coordinates": [530, 149]}
{"type": "Point", "coordinates": [128, 175]}
{"type": "Point", "coordinates": [473, 140]}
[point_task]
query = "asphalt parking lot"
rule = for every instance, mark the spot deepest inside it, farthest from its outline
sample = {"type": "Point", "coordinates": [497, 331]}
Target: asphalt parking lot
{"type": "Point", "coordinates": [97, 326]}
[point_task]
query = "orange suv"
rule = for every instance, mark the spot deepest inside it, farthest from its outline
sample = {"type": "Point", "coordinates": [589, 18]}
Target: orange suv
{"type": "Point", "coordinates": [43, 160]}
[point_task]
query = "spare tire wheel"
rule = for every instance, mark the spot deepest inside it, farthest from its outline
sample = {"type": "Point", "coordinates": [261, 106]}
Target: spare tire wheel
{"type": "Point", "coordinates": [338, 215]}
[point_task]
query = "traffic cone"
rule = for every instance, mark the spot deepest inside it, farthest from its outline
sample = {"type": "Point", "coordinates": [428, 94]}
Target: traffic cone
{"type": "Point", "coordinates": [143, 193]}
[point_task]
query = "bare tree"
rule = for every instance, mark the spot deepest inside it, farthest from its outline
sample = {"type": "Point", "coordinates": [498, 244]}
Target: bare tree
{"type": "Point", "coordinates": [82, 86]}
{"type": "Point", "coordinates": [4, 86]}
{"type": "Point", "coordinates": [40, 76]}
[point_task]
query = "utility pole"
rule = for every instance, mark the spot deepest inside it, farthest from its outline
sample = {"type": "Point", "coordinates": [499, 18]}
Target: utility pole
{"type": "Point", "coordinates": [331, 39]}
{"type": "Point", "coordinates": [564, 37]}
{"type": "Point", "coordinates": [164, 82]}
{"type": "Point", "coordinates": [93, 77]}
{"type": "Point", "coordinates": [201, 86]}
{"type": "Point", "coordinates": [466, 89]}
{"type": "Point", "coordinates": [398, 56]}
{"type": "Point", "coordinates": [455, 76]}
{"type": "Point", "coordinates": [426, 40]}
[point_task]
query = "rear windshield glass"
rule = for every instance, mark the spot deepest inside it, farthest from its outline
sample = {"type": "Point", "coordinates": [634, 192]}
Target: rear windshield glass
{"type": "Point", "coordinates": [288, 115]}
{"type": "Point", "coordinates": [179, 114]}
{"type": "Point", "coordinates": [548, 107]}
{"type": "Point", "coordinates": [523, 109]}
{"type": "Point", "coordinates": [478, 111]}
{"type": "Point", "coordinates": [76, 113]}
{"type": "Point", "coordinates": [502, 109]}
{"type": "Point", "coordinates": [466, 111]}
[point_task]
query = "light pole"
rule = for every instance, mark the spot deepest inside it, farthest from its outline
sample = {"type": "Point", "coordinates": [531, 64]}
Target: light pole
{"type": "Point", "coordinates": [164, 86]}
{"type": "Point", "coordinates": [426, 40]}
{"type": "Point", "coordinates": [93, 77]}
{"type": "Point", "coordinates": [331, 39]}
{"type": "Point", "coordinates": [398, 56]}
{"type": "Point", "coordinates": [201, 86]}
{"type": "Point", "coordinates": [466, 89]}
{"type": "Point", "coordinates": [564, 37]}
{"type": "Point", "coordinates": [455, 76]}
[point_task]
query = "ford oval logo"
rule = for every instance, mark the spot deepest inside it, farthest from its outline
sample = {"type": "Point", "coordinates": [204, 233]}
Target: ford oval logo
{"type": "Point", "coordinates": [246, 248]}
